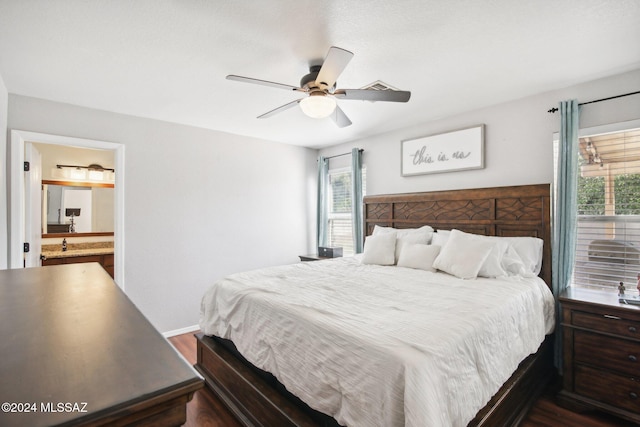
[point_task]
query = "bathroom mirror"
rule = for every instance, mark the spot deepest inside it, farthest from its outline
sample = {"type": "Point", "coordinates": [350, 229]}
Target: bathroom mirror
{"type": "Point", "coordinates": [77, 209]}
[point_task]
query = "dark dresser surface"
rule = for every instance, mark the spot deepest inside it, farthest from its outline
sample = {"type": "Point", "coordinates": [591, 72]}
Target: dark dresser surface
{"type": "Point", "coordinates": [601, 352]}
{"type": "Point", "coordinates": [74, 350]}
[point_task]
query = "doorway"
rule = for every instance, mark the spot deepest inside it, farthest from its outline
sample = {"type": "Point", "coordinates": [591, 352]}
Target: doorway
{"type": "Point", "coordinates": [18, 205]}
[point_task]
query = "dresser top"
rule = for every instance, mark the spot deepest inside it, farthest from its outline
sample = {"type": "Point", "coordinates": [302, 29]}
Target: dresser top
{"type": "Point", "coordinates": [68, 334]}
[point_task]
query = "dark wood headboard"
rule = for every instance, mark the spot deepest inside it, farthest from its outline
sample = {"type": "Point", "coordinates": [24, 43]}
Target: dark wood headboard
{"type": "Point", "coordinates": [523, 210]}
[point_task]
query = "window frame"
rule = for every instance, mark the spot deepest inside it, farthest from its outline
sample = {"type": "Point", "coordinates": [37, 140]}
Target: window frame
{"type": "Point", "coordinates": [582, 133]}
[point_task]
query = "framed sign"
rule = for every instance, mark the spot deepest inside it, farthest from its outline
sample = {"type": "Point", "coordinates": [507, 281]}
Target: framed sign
{"type": "Point", "coordinates": [445, 152]}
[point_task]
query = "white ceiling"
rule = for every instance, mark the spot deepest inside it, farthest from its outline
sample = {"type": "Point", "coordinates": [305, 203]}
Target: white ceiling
{"type": "Point", "coordinates": [167, 59]}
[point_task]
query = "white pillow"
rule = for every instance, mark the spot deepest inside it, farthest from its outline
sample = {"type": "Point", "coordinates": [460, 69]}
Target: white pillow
{"type": "Point", "coordinates": [526, 250]}
{"type": "Point", "coordinates": [411, 239]}
{"type": "Point", "coordinates": [462, 255]}
{"type": "Point", "coordinates": [492, 266]}
{"type": "Point", "coordinates": [529, 250]}
{"type": "Point", "coordinates": [503, 260]}
{"type": "Point", "coordinates": [400, 232]}
{"type": "Point", "coordinates": [440, 237]}
{"type": "Point", "coordinates": [406, 236]}
{"type": "Point", "coordinates": [419, 256]}
{"type": "Point", "coordinates": [380, 249]}
{"type": "Point", "coordinates": [513, 264]}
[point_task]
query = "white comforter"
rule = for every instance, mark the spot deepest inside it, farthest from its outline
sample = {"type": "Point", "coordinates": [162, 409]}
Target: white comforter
{"type": "Point", "coordinates": [381, 346]}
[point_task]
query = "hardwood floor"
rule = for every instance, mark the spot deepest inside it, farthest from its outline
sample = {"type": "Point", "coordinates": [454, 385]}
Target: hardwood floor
{"type": "Point", "coordinates": [547, 413]}
{"type": "Point", "coordinates": [205, 410]}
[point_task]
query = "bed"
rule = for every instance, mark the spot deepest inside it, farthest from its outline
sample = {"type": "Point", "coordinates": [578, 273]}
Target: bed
{"type": "Point", "coordinates": [403, 396]}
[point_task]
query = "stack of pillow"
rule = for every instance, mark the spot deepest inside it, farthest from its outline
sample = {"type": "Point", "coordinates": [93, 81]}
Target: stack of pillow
{"type": "Point", "coordinates": [461, 254]}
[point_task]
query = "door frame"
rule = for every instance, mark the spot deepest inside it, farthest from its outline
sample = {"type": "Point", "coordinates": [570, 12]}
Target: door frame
{"type": "Point", "coordinates": [17, 209]}
{"type": "Point", "coordinates": [33, 205]}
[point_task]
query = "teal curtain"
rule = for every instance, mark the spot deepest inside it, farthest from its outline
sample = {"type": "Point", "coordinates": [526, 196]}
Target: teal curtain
{"type": "Point", "coordinates": [564, 227]}
{"type": "Point", "coordinates": [565, 209]}
{"type": "Point", "coordinates": [356, 199]}
{"type": "Point", "coordinates": [323, 177]}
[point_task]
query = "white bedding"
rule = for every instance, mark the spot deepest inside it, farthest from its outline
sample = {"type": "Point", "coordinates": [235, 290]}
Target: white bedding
{"type": "Point", "coordinates": [381, 346]}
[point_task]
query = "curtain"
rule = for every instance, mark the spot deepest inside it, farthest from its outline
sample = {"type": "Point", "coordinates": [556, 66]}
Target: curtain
{"type": "Point", "coordinates": [564, 227]}
{"type": "Point", "coordinates": [321, 226]}
{"type": "Point", "coordinates": [565, 208]}
{"type": "Point", "coordinates": [356, 199]}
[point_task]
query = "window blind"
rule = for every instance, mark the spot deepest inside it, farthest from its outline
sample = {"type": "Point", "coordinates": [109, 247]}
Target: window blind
{"type": "Point", "coordinates": [608, 205]}
{"type": "Point", "coordinates": [340, 224]}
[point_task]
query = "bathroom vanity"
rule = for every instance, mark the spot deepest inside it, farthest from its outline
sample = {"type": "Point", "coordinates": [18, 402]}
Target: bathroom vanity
{"type": "Point", "coordinates": [100, 252]}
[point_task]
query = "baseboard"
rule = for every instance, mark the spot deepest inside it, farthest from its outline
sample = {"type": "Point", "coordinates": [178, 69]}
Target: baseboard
{"type": "Point", "coordinates": [181, 331]}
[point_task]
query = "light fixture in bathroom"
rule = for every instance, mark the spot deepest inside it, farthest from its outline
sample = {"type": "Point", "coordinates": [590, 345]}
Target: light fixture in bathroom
{"type": "Point", "coordinates": [93, 172]}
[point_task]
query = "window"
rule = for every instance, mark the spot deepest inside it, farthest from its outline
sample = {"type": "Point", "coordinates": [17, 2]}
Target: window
{"type": "Point", "coordinates": [608, 205]}
{"type": "Point", "coordinates": [340, 226]}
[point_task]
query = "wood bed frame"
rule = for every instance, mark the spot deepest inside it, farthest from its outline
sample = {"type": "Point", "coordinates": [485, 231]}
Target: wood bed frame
{"type": "Point", "coordinates": [258, 399]}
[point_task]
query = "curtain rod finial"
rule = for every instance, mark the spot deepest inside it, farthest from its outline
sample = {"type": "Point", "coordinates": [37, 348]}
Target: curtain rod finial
{"type": "Point", "coordinates": [553, 110]}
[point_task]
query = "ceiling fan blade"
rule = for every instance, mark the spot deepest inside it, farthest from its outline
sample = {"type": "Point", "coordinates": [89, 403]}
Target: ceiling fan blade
{"type": "Point", "coordinates": [263, 83]}
{"type": "Point", "coordinates": [333, 65]}
{"type": "Point", "coordinates": [373, 95]}
{"type": "Point", "coordinates": [340, 118]}
{"type": "Point", "coordinates": [279, 109]}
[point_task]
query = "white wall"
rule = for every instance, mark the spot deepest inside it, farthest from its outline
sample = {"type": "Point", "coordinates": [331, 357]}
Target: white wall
{"type": "Point", "coordinates": [518, 139]}
{"type": "Point", "coordinates": [78, 198]}
{"type": "Point", "coordinates": [102, 208]}
{"type": "Point", "coordinates": [199, 204]}
{"type": "Point", "coordinates": [4, 176]}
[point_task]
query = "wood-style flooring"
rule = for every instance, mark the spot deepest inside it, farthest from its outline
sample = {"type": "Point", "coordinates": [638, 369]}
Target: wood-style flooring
{"type": "Point", "coordinates": [205, 410]}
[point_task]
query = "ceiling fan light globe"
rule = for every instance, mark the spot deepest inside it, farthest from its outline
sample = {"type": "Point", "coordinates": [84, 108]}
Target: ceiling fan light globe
{"type": "Point", "coordinates": [318, 106]}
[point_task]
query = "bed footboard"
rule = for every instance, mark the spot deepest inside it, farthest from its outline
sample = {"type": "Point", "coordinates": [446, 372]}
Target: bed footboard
{"type": "Point", "coordinates": [256, 398]}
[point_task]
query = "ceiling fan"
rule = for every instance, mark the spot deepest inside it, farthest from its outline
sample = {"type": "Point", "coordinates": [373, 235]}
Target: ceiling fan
{"type": "Point", "coordinates": [320, 87]}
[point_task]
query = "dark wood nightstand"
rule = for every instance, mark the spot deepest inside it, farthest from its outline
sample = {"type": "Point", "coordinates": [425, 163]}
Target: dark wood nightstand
{"type": "Point", "coordinates": [313, 257]}
{"type": "Point", "coordinates": [601, 345]}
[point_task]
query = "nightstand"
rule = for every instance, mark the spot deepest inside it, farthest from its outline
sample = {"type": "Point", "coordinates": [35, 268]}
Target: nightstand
{"type": "Point", "coordinates": [313, 257]}
{"type": "Point", "coordinates": [601, 352]}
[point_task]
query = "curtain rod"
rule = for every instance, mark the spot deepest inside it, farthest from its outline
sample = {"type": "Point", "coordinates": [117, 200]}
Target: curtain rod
{"type": "Point", "coordinates": [554, 109]}
{"type": "Point", "coordinates": [343, 154]}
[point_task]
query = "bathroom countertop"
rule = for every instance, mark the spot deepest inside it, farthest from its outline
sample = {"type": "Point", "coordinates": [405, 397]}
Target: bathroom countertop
{"type": "Point", "coordinates": [77, 249]}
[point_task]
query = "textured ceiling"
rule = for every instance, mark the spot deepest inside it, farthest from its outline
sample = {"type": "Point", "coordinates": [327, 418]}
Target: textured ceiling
{"type": "Point", "coordinates": [167, 59]}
